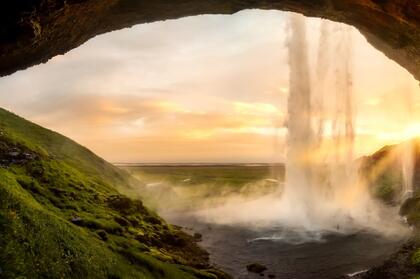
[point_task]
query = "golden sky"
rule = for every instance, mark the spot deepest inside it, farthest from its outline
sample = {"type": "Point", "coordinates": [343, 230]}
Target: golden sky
{"type": "Point", "coordinates": [200, 89]}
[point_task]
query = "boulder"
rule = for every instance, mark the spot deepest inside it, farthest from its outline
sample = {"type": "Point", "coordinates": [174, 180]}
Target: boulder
{"type": "Point", "coordinates": [103, 235]}
{"type": "Point", "coordinates": [198, 237]}
{"type": "Point", "coordinates": [77, 220]}
{"type": "Point", "coordinates": [256, 268]}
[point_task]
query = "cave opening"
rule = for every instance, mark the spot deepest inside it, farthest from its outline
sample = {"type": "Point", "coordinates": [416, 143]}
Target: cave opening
{"type": "Point", "coordinates": [200, 118]}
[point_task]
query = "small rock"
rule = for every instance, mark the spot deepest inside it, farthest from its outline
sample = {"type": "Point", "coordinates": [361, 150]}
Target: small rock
{"type": "Point", "coordinates": [125, 205]}
{"type": "Point", "coordinates": [14, 154]}
{"type": "Point", "coordinates": [134, 222]}
{"type": "Point", "coordinates": [122, 221]}
{"type": "Point", "coordinates": [174, 240]}
{"type": "Point", "coordinates": [103, 235]}
{"type": "Point", "coordinates": [198, 237]}
{"type": "Point", "coordinates": [153, 220]}
{"type": "Point", "coordinates": [77, 220]}
{"type": "Point", "coordinates": [28, 156]}
{"type": "Point", "coordinates": [256, 268]}
{"type": "Point", "coordinates": [271, 276]}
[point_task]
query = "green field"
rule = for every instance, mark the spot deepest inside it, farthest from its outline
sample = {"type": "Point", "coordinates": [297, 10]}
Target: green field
{"type": "Point", "coordinates": [236, 176]}
{"type": "Point", "coordinates": [189, 186]}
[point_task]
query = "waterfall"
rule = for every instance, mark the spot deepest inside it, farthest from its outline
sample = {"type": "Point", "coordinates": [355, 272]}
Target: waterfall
{"type": "Point", "coordinates": [407, 166]}
{"type": "Point", "coordinates": [407, 154]}
{"type": "Point", "coordinates": [298, 169]}
{"type": "Point", "coordinates": [322, 189]}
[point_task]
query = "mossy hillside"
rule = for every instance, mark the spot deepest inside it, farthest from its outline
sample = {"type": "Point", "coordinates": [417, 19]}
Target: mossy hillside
{"type": "Point", "coordinates": [383, 171]}
{"type": "Point", "coordinates": [386, 177]}
{"type": "Point", "coordinates": [53, 145]}
{"type": "Point", "coordinates": [387, 185]}
{"type": "Point", "coordinates": [62, 217]}
{"type": "Point", "coordinates": [39, 244]}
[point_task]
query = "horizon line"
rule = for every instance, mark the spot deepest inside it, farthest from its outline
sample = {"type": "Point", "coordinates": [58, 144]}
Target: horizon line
{"type": "Point", "coordinates": [197, 163]}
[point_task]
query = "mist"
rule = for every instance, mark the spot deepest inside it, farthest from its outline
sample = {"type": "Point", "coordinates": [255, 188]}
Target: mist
{"type": "Point", "coordinates": [323, 190]}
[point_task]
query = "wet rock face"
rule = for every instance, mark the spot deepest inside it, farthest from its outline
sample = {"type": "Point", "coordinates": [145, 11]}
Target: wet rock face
{"type": "Point", "coordinates": [33, 31]}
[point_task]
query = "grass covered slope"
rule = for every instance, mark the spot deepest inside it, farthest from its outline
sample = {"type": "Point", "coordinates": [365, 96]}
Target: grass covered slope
{"type": "Point", "coordinates": [61, 215]}
{"type": "Point", "coordinates": [384, 171]}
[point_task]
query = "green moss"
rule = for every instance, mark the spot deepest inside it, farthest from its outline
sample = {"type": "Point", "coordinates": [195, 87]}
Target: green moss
{"type": "Point", "coordinates": [415, 258]}
{"type": "Point", "coordinates": [387, 186]}
{"type": "Point", "coordinates": [62, 215]}
{"type": "Point", "coordinates": [33, 236]}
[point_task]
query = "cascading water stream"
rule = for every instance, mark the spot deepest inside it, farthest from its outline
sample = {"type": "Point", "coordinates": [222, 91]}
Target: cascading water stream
{"type": "Point", "coordinates": [407, 156]}
{"type": "Point", "coordinates": [323, 190]}
{"type": "Point", "coordinates": [298, 169]}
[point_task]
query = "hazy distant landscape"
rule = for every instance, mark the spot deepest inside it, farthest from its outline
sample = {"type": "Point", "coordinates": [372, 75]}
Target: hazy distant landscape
{"type": "Point", "coordinates": [234, 176]}
{"type": "Point", "coordinates": [185, 186]}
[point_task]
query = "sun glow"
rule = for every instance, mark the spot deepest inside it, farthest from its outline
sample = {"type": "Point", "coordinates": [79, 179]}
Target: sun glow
{"type": "Point", "coordinates": [123, 97]}
{"type": "Point", "coordinates": [411, 131]}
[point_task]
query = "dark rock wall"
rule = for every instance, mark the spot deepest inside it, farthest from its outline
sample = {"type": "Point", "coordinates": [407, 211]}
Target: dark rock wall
{"type": "Point", "coordinates": [33, 31]}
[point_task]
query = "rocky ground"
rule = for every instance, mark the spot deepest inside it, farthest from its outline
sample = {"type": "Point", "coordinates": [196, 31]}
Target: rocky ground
{"type": "Point", "coordinates": [34, 31]}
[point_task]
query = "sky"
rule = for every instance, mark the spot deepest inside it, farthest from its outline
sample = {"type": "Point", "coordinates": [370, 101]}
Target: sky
{"type": "Point", "coordinates": [209, 88]}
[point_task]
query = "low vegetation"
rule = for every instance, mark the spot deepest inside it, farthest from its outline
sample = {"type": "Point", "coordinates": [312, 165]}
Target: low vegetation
{"type": "Point", "coordinates": [383, 169]}
{"type": "Point", "coordinates": [234, 176]}
{"type": "Point", "coordinates": [62, 215]}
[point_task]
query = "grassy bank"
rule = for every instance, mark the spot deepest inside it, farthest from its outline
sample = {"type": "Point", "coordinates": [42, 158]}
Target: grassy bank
{"type": "Point", "coordinates": [62, 215]}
